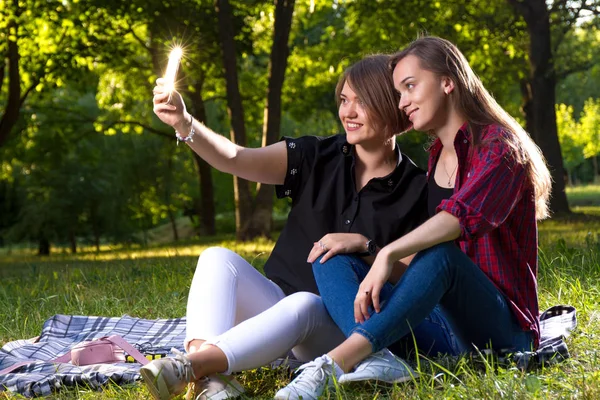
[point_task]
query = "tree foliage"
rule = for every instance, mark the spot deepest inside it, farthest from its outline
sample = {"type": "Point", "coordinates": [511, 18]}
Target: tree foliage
{"type": "Point", "coordinates": [590, 128]}
{"type": "Point", "coordinates": [78, 136]}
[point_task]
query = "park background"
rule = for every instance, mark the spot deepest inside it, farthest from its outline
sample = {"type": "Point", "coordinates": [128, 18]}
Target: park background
{"type": "Point", "coordinates": [101, 213]}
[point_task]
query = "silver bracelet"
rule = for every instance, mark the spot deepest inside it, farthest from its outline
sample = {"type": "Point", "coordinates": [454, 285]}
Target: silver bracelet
{"type": "Point", "coordinates": [190, 136]}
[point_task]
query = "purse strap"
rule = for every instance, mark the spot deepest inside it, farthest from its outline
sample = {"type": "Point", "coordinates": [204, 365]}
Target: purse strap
{"type": "Point", "coordinates": [10, 369]}
{"type": "Point", "coordinates": [129, 349]}
{"type": "Point", "coordinates": [65, 358]}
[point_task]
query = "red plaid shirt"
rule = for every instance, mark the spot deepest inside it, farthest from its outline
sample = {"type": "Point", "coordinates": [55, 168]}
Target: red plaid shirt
{"type": "Point", "coordinates": [495, 205]}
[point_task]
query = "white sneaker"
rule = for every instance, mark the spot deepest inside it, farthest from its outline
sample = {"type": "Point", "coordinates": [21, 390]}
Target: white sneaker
{"type": "Point", "coordinates": [312, 381]}
{"type": "Point", "coordinates": [381, 366]}
{"type": "Point", "coordinates": [167, 377]}
{"type": "Point", "coordinates": [213, 387]}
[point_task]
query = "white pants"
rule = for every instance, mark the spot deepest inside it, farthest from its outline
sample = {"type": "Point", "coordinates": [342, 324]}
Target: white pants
{"type": "Point", "coordinates": [234, 307]}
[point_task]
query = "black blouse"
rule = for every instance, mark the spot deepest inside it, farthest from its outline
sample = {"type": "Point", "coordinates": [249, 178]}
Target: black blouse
{"type": "Point", "coordinates": [320, 181]}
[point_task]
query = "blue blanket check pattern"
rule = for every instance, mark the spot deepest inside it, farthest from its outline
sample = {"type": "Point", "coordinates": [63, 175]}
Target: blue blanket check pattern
{"type": "Point", "coordinates": [157, 337]}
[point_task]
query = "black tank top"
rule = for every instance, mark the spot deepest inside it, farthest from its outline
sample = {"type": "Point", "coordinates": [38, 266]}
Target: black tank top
{"type": "Point", "coordinates": [436, 193]}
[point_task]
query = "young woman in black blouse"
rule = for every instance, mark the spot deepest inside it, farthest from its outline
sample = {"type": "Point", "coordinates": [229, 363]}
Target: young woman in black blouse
{"type": "Point", "coordinates": [351, 193]}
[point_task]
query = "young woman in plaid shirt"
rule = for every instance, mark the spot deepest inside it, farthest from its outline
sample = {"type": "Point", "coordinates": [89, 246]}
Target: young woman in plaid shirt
{"type": "Point", "coordinates": [476, 256]}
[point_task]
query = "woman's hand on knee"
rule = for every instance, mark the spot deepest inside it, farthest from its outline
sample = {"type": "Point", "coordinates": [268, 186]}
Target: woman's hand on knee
{"type": "Point", "coordinates": [370, 287]}
{"type": "Point", "coordinates": [337, 243]}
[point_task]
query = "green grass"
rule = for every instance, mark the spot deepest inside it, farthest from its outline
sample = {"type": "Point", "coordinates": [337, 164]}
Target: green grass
{"type": "Point", "coordinates": [153, 283]}
{"type": "Point", "coordinates": [588, 195]}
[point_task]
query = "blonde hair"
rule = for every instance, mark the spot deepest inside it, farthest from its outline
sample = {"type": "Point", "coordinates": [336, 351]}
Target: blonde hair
{"type": "Point", "coordinates": [479, 107]}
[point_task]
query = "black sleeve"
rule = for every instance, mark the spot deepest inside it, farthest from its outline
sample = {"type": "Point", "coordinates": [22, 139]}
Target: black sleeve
{"type": "Point", "coordinates": [301, 155]}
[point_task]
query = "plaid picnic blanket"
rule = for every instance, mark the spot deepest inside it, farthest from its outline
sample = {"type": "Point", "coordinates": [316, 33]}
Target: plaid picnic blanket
{"type": "Point", "coordinates": [62, 332]}
{"type": "Point", "coordinates": [156, 337]}
{"type": "Point", "coordinates": [556, 324]}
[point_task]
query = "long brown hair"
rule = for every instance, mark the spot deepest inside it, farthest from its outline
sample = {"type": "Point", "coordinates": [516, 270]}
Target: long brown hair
{"type": "Point", "coordinates": [372, 82]}
{"type": "Point", "coordinates": [479, 107]}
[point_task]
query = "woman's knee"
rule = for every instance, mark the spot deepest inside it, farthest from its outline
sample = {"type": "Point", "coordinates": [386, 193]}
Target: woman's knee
{"type": "Point", "coordinates": [219, 259]}
{"type": "Point", "coordinates": [339, 262]}
{"type": "Point", "coordinates": [215, 255]}
{"type": "Point", "coordinates": [303, 304]}
{"type": "Point", "coordinates": [438, 255]}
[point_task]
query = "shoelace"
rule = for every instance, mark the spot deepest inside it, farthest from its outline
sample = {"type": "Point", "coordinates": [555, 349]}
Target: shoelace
{"type": "Point", "coordinates": [379, 355]}
{"type": "Point", "coordinates": [306, 379]}
{"type": "Point", "coordinates": [365, 363]}
{"type": "Point", "coordinates": [204, 381]}
{"type": "Point", "coordinates": [183, 366]}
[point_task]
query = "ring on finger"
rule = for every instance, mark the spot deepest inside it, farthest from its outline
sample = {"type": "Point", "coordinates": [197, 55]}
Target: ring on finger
{"type": "Point", "coordinates": [322, 245]}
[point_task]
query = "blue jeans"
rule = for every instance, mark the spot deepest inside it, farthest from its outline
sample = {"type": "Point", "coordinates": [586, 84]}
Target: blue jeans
{"type": "Point", "coordinates": [443, 299]}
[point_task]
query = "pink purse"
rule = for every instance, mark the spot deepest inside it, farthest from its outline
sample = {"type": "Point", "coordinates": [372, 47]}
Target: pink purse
{"type": "Point", "coordinates": [100, 351]}
{"type": "Point", "coordinates": [105, 350]}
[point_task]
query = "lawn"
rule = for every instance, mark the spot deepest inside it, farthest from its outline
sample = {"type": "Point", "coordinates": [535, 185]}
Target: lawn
{"type": "Point", "coordinates": [153, 282]}
{"type": "Point", "coordinates": [588, 195]}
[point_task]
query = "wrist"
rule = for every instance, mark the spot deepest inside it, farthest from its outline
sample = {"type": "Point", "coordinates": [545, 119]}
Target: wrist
{"type": "Point", "coordinates": [386, 255]}
{"type": "Point", "coordinates": [183, 127]}
{"type": "Point", "coordinates": [188, 135]}
{"type": "Point", "coordinates": [368, 247]}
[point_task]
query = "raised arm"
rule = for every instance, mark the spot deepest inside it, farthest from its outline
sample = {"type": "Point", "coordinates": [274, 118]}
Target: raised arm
{"type": "Point", "coordinates": [265, 165]}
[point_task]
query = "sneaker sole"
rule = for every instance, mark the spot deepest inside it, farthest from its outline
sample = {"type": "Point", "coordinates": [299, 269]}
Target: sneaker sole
{"type": "Point", "coordinates": [155, 383]}
{"type": "Point", "coordinates": [405, 378]}
{"type": "Point", "coordinates": [282, 397]}
{"type": "Point", "coordinates": [220, 396]}
{"type": "Point", "coordinates": [390, 381]}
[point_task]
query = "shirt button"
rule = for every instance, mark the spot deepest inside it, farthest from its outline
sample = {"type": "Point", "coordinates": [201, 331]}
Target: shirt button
{"type": "Point", "coordinates": [347, 222]}
{"type": "Point", "coordinates": [345, 149]}
{"type": "Point", "coordinates": [356, 198]}
{"type": "Point", "coordinates": [465, 141]}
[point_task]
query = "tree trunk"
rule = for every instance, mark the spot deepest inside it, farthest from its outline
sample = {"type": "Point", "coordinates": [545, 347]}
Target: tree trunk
{"type": "Point", "coordinates": [206, 211]}
{"type": "Point", "coordinates": [173, 224]}
{"type": "Point", "coordinates": [241, 189]}
{"type": "Point", "coordinates": [73, 242]}
{"type": "Point", "coordinates": [527, 104]}
{"type": "Point", "coordinates": [2, 69]}
{"type": "Point", "coordinates": [596, 172]}
{"type": "Point", "coordinates": [11, 111]}
{"type": "Point", "coordinates": [543, 87]}
{"type": "Point", "coordinates": [261, 222]}
{"type": "Point", "coordinates": [168, 184]}
{"type": "Point", "coordinates": [97, 239]}
{"type": "Point", "coordinates": [43, 247]}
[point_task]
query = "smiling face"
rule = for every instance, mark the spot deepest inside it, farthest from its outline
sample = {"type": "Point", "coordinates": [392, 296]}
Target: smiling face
{"type": "Point", "coordinates": [355, 118]}
{"type": "Point", "coordinates": [423, 94]}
